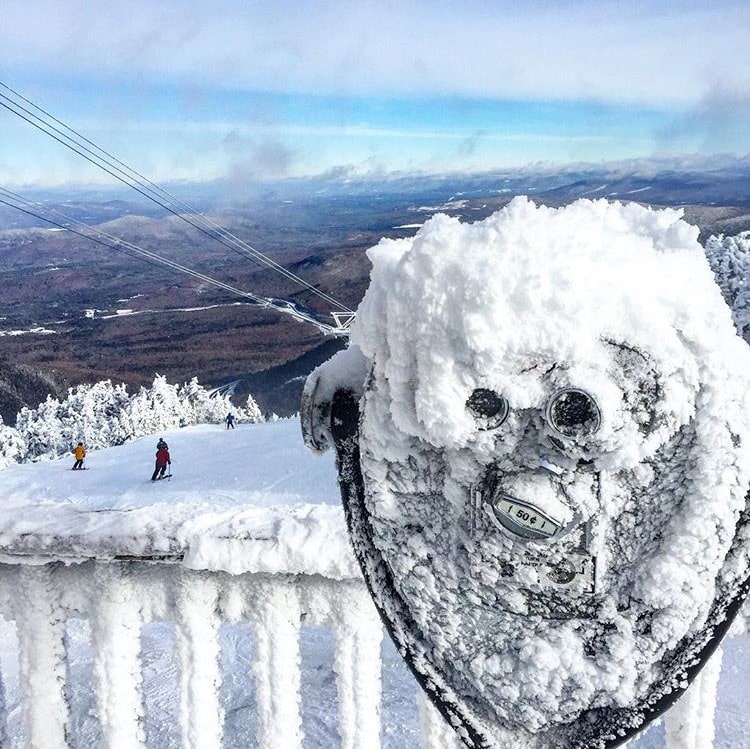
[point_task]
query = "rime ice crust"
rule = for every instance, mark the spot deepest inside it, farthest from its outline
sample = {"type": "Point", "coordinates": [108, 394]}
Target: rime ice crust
{"type": "Point", "coordinates": [617, 301]}
{"type": "Point", "coordinates": [729, 258]}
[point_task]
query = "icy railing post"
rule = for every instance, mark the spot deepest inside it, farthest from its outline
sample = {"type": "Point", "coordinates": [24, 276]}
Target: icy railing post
{"type": "Point", "coordinates": [690, 723]}
{"type": "Point", "coordinates": [436, 733]}
{"type": "Point", "coordinates": [116, 638]}
{"type": "Point", "coordinates": [359, 635]}
{"type": "Point", "coordinates": [276, 619]}
{"type": "Point", "coordinates": [197, 633]}
{"type": "Point", "coordinates": [41, 642]}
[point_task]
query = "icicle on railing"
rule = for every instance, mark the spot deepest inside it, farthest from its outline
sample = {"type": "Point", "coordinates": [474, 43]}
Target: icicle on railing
{"type": "Point", "coordinates": [357, 666]}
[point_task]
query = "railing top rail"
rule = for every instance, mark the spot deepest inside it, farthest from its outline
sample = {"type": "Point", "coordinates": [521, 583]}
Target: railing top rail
{"type": "Point", "coordinates": [302, 539]}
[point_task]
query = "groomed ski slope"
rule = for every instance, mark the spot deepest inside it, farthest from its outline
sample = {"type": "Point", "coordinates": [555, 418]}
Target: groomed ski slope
{"type": "Point", "coordinates": [283, 505]}
{"type": "Point", "coordinates": [251, 499]}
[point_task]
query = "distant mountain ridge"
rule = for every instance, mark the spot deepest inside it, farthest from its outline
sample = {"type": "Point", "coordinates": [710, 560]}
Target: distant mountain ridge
{"type": "Point", "coordinates": [698, 179]}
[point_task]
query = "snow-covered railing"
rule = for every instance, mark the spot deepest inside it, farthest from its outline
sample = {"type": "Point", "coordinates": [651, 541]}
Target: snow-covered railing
{"type": "Point", "coordinates": [118, 597]}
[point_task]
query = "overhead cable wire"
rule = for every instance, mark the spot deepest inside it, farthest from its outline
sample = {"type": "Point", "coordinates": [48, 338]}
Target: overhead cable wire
{"type": "Point", "coordinates": [93, 158]}
{"type": "Point", "coordinates": [133, 179]}
{"type": "Point", "coordinates": [116, 243]}
{"type": "Point", "coordinates": [136, 176]}
{"type": "Point", "coordinates": [100, 237]}
{"type": "Point", "coordinates": [153, 258]}
{"type": "Point", "coordinates": [142, 187]}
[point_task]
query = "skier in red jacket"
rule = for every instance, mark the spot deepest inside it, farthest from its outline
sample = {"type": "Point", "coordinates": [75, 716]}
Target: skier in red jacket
{"type": "Point", "coordinates": [162, 460]}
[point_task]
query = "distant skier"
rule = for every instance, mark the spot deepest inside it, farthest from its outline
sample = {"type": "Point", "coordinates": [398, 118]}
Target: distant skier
{"type": "Point", "coordinates": [80, 452]}
{"type": "Point", "coordinates": [162, 460]}
{"type": "Point", "coordinates": [230, 421]}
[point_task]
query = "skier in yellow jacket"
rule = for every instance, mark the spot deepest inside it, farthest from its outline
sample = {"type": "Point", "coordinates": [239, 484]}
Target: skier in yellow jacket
{"type": "Point", "coordinates": [80, 452]}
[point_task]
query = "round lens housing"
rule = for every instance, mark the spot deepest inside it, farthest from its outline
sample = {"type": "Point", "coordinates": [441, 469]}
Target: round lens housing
{"type": "Point", "coordinates": [488, 407]}
{"type": "Point", "coordinates": [572, 412]}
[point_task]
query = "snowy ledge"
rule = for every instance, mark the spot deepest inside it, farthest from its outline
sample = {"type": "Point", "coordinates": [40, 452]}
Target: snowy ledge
{"type": "Point", "coordinates": [251, 499]}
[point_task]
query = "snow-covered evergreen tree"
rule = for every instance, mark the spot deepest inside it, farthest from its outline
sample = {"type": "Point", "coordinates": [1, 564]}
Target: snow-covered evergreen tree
{"type": "Point", "coordinates": [96, 414]}
{"type": "Point", "coordinates": [12, 447]}
{"type": "Point", "coordinates": [92, 414]}
{"type": "Point", "coordinates": [41, 429]}
{"type": "Point", "coordinates": [729, 258]}
{"type": "Point", "coordinates": [251, 413]}
{"type": "Point", "coordinates": [156, 409]}
{"type": "Point", "coordinates": [203, 406]}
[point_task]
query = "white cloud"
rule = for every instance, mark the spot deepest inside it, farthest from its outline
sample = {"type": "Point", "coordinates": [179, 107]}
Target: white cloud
{"type": "Point", "coordinates": [250, 159]}
{"type": "Point", "coordinates": [719, 119]}
{"type": "Point", "coordinates": [639, 51]}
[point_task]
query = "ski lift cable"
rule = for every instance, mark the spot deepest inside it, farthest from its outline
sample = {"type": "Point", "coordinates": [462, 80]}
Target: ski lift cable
{"type": "Point", "coordinates": [119, 244]}
{"type": "Point", "coordinates": [214, 231]}
{"type": "Point", "coordinates": [240, 246]}
{"type": "Point", "coordinates": [157, 260]}
{"type": "Point", "coordinates": [125, 179]}
{"type": "Point", "coordinates": [165, 194]}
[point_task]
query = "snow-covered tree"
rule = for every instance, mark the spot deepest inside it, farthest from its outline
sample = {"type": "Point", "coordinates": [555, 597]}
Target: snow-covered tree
{"type": "Point", "coordinates": [41, 429]}
{"type": "Point", "coordinates": [92, 414]}
{"type": "Point", "coordinates": [729, 258]}
{"type": "Point", "coordinates": [96, 414]}
{"type": "Point", "coordinates": [203, 406]}
{"type": "Point", "coordinates": [156, 409]}
{"type": "Point", "coordinates": [251, 412]}
{"type": "Point", "coordinates": [211, 407]}
{"type": "Point", "coordinates": [12, 446]}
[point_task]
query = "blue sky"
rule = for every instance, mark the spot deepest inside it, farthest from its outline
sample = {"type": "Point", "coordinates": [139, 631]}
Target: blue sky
{"type": "Point", "coordinates": [257, 90]}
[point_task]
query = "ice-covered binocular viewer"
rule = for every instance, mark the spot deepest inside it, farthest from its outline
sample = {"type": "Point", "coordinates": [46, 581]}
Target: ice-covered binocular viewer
{"type": "Point", "coordinates": [542, 436]}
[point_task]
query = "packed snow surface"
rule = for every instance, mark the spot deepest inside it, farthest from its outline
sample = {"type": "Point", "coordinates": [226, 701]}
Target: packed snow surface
{"type": "Point", "coordinates": [250, 499]}
{"type": "Point", "coordinates": [621, 416]}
